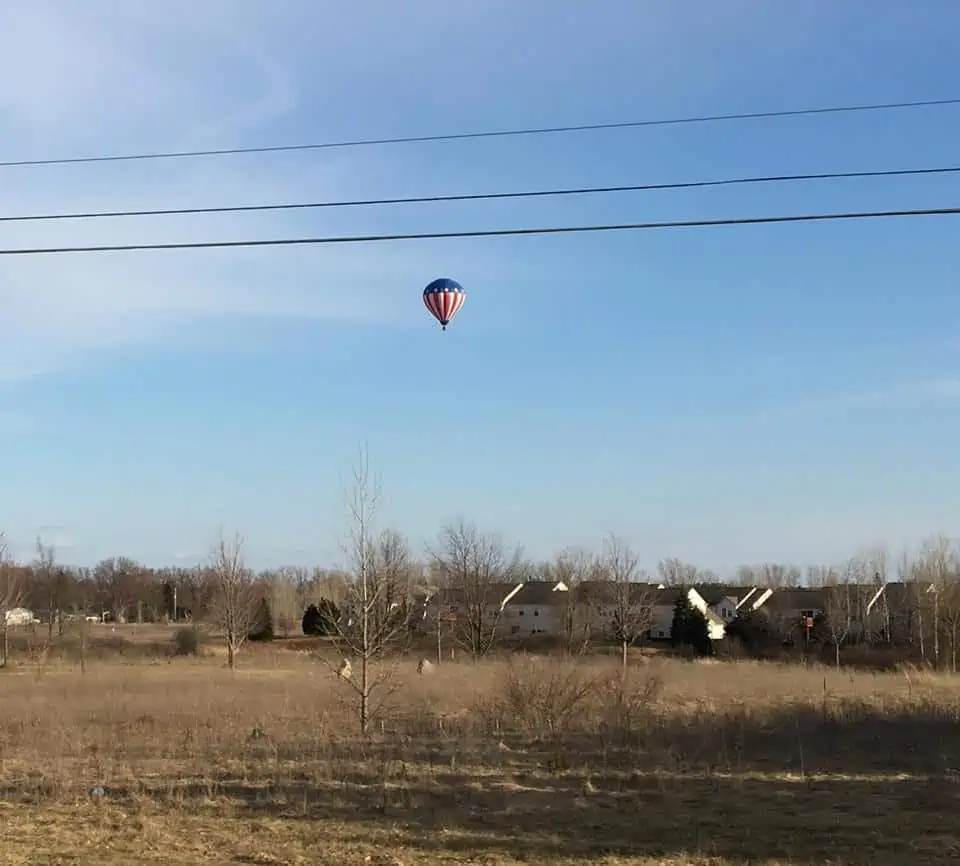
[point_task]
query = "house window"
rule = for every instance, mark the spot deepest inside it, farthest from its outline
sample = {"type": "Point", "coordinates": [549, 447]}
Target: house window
{"type": "Point", "coordinates": [536, 613]}
{"type": "Point", "coordinates": [521, 613]}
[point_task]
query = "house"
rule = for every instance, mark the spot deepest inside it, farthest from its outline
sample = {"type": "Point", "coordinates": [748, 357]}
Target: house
{"type": "Point", "coordinates": [665, 604]}
{"type": "Point", "coordinates": [599, 601]}
{"type": "Point", "coordinates": [456, 603]}
{"type": "Point", "coordinates": [535, 609]}
{"type": "Point", "coordinates": [727, 600]}
{"type": "Point", "coordinates": [604, 600]}
{"type": "Point", "coordinates": [19, 616]}
{"type": "Point", "coordinates": [791, 611]}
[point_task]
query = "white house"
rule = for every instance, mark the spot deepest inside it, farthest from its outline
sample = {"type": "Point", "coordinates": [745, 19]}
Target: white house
{"type": "Point", "coordinates": [535, 609]}
{"type": "Point", "coordinates": [449, 605]}
{"type": "Point", "coordinates": [19, 616]}
{"type": "Point", "coordinates": [729, 601]}
{"type": "Point", "coordinates": [663, 608]}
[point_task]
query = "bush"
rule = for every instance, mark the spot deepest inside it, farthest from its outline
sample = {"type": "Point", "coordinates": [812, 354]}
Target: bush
{"type": "Point", "coordinates": [186, 641]}
{"type": "Point", "coordinates": [541, 697]}
{"type": "Point", "coordinates": [627, 701]}
{"type": "Point", "coordinates": [752, 630]}
{"type": "Point", "coordinates": [320, 619]}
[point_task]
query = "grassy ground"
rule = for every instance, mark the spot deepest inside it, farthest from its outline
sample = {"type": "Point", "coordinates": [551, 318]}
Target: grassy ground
{"type": "Point", "coordinates": [534, 762]}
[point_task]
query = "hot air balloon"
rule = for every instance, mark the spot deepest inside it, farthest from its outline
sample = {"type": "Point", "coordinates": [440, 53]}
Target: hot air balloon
{"type": "Point", "coordinates": [444, 298]}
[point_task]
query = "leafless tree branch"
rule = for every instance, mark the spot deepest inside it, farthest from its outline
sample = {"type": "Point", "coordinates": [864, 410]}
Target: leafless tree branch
{"type": "Point", "coordinates": [237, 606]}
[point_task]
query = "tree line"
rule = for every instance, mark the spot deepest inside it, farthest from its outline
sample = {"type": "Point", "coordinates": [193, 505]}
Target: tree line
{"type": "Point", "coordinates": [381, 586]}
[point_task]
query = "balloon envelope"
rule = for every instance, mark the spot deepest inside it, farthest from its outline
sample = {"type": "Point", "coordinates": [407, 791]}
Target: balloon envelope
{"type": "Point", "coordinates": [444, 298]}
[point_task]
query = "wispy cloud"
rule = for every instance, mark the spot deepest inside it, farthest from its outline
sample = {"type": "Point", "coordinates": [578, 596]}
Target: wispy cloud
{"type": "Point", "coordinates": [101, 76]}
{"type": "Point", "coordinates": [82, 79]}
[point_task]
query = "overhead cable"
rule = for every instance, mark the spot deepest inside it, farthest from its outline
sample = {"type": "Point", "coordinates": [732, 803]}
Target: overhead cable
{"type": "Point", "coordinates": [498, 133]}
{"type": "Point", "coordinates": [486, 196]}
{"type": "Point", "coordinates": [481, 233]}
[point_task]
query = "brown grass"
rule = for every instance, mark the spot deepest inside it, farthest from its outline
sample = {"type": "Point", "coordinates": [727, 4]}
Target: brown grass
{"type": "Point", "coordinates": [532, 761]}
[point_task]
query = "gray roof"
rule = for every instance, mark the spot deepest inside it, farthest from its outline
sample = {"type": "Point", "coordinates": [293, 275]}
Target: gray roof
{"type": "Point", "coordinates": [796, 598]}
{"type": "Point", "coordinates": [493, 593]}
{"type": "Point", "coordinates": [604, 592]}
{"type": "Point", "coordinates": [714, 593]}
{"type": "Point", "coordinates": [539, 592]}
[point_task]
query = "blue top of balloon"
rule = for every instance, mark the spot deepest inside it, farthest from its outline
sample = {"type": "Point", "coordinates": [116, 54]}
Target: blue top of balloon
{"type": "Point", "coordinates": [443, 284]}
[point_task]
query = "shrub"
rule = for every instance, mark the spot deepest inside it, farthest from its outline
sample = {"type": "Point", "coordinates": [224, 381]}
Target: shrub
{"type": "Point", "coordinates": [320, 619]}
{"type": "Point", "coordinates": [752, 630]}
{"type": "Point", "coordinates": [627, 699]}
{"type": "Point", "coordinates": [186, 641]}
{"type": "Point", "coordinates": [541, 697]}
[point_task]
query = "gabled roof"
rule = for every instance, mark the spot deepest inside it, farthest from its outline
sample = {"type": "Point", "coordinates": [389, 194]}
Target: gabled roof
{"type": "Point", "coordinates": [605, 592]}
{"type": "Point", "coordinates": [539, 592]}
{"type": "Point", "coordinates": [494, 593]}
{"type": "Point", "coordinates": [714, 593]}
{"type": "Point", "coordinates": [669, 596]}
{"type": "Point", "coordinates": [905, 595]}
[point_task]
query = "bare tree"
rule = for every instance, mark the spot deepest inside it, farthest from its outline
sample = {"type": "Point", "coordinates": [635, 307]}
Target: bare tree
{"type": "Point", "coordinates": [50, 586]}
{"type": "Point", "coordinates": [930, 573]}
{"type": "Point", "coordinates": [122, 581]}
{"type": "Point", "coordinates": [843, 606]}
{"type": "Point", "coordinates": [937, 576]}
{"type": "Point", "coordinates": [769, 574]}
{"type": "Point", "coordinates": [303, 581]}
{"type": "Point", "coordinates": [949, 604]}
{"type": "Point", "coordinates": [12, 592]}
{"type": "Point", "coordinates": [237, 606]}
{"type": "Point", "coordinates": [630, 594]}
{"type": "Point", "coordinates": [675, 572]}
{"type": "Point", "coordinates": [474, 570]}
{"type": "Point", "coordinates": [284, 599]}
{"type": "Point", "coordinates": [576, 569]}
{"type": "Point", "coordinates": [375, 613]}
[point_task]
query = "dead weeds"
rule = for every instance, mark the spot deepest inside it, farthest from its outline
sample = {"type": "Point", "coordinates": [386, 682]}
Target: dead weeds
{"type": "Point", "coordinates": [532, 761]}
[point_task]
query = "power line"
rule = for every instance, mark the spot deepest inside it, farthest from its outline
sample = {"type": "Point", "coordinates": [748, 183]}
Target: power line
{"type": "Point", "coordinates": [487, 196]}
{"type": "Point", "coordinates": [499, 133]}
{"type": "Point", "coordinates": [483, 233]}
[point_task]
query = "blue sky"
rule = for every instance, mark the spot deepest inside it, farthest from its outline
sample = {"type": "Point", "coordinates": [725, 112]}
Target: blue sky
{"type": "Point", "coordinates": [783, 393]}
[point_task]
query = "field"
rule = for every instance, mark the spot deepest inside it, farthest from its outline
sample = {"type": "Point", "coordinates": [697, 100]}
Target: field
{"type": "Point", "coordinates": [155, 760]}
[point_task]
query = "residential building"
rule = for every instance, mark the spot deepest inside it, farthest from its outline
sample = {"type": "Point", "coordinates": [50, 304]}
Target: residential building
{"type": "Point", "coordinates": [453, 604]}
{"type": "Point", "coordinates": [536, 609]}
{"type": "Point", "coordinates": [665, 605]}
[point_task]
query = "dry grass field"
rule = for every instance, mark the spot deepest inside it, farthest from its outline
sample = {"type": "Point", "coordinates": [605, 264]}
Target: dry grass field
{"type": "Point", "coordinates": [532, 762]}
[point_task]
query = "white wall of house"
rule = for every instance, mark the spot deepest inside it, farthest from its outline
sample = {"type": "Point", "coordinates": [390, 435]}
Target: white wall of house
{"type": "Point", "coordinates": [18, 616]}
{"type": "Point", "coordinates": [525, 620]}
{"type": "Point", "coordinates": [715, 625]}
